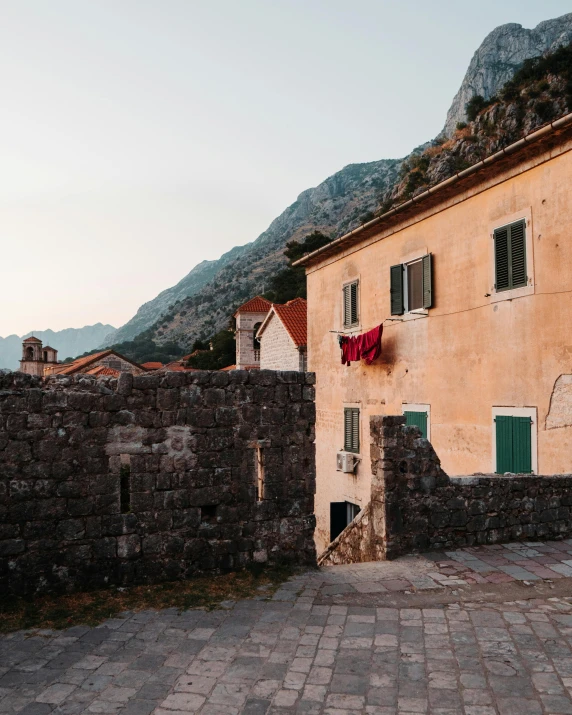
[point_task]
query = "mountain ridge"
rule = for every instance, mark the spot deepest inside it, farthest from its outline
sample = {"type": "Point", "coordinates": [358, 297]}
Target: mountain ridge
{"type": "Point", "coordinates": [201, 302]}
{"type": "Point", "coordinates": [68, 342]}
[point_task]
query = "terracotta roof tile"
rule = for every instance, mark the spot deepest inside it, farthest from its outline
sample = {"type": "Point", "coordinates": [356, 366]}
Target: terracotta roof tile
{"type": "Point", "coordinates": [78, 364]}
{"type": "Point", "coordinates": [229, 367]}
{"type": "Point", "coordinates": [102, 371]}
{"type": "Point", "coordinates": [294, 316]}
{"type": "Point", "coordinates": [32, 339]}
{"type": "Point", "coordinates": [255, 305]}
{"type": "Point", "coordinates": [152, 365]}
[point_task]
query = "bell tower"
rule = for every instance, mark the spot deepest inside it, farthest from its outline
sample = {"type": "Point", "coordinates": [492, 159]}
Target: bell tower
{"type": "Point", "coordinates": [32, 362]}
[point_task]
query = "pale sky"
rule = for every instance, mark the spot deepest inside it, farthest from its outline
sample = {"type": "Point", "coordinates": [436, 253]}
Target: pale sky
{"type": "Point", "coordinates": [140, 137]}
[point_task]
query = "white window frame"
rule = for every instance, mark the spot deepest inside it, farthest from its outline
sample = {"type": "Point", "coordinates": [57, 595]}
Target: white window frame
{"type": "Point", "coordinates": [517, 412]}
{"type": "Point", "coordinates": [357, 406]}
{"type": "Point", "coordinates": [407, 260]}
{"type": "Point", "coordinates": [418, 407]}
{"type": "Point", "coordinates": [494, 295]}
{"type": "Point", "coordinates": [357, 326]}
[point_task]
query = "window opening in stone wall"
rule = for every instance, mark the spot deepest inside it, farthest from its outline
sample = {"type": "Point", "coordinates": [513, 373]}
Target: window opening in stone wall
{"type": "Point", "coordinates": [115, 364]}
{"type": "Point", "coordinates": [256, 341]}
{"type": "Point", "coordinates": [208, 513]}
{"type": "Point", "coordinates": [125, 485]}
{"type": "Point", "coordinates": [259, 474]}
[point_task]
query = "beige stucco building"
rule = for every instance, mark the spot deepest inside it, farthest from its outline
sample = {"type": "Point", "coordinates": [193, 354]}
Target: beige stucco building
{"type": "Point", "coordinates": [283, 337]}
{"type": "Point", "coordinates": [472, 281]}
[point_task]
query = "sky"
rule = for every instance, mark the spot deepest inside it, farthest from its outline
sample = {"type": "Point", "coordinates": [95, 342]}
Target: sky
{"type": "Point", "coordinates": [140, 137]}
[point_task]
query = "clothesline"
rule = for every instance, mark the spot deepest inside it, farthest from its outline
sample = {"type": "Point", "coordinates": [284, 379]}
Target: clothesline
{"type": "Point", "coordinates": [393, 320]}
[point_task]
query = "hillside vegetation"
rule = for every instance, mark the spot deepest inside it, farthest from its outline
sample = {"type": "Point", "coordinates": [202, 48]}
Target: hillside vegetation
{"type": "Point", "coordinates": [539, 92]}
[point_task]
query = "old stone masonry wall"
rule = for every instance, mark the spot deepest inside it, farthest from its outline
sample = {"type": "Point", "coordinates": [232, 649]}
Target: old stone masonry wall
{"type": "Point", "coordinates": [155, 477]}
{"type": "Point", "coordinates": [414, 506]}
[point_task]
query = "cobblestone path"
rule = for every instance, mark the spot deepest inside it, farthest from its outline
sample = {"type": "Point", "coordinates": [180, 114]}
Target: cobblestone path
{"type": "Point", "coordinates": [417, 635]}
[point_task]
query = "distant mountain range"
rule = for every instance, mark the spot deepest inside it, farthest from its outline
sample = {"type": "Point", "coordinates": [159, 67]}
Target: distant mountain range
{"type": "Point", "coordinates": [200, 304]}
{"type": "Point", "coordinates": [69, 342]}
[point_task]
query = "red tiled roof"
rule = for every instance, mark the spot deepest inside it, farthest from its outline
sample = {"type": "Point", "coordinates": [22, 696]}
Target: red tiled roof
{"type": "Point", "coordinates": [255, 305]}
{"type": "Point", "coordinates": [80, 363]}
{"type": "Point", "coordinates": [32, 339]}
{"type": "Point", "coordinates": [294, 316]}
{"type": "Point", "coordinates": [77, 365]}
{"type": "Point", "coordinates": [226, 369]}
{"type": "Point", "coordinates": [103, 371]}
{"type": "Point", "coordinates": [176, 366]}
{"type": "Point", "coordinates": [152, 365]}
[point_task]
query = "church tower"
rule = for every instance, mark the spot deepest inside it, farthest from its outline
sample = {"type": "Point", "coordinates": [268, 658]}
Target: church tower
{"type": "Point", "coordinates": [35, 358]}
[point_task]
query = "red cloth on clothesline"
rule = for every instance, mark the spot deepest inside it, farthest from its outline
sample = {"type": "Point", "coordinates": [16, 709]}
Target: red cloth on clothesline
{"type": "Point", "coordinates": [366, 346]}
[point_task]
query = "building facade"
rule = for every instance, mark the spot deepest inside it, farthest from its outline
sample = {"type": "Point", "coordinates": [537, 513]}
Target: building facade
{"type": "Point", "coordinates": [283, 337]}
{"type": "Point", "coordinates": [36, 358]}
{"type": "Point", "coordinates": [472, 281]}
{"type": "Point", "coordinates": [249, 317]}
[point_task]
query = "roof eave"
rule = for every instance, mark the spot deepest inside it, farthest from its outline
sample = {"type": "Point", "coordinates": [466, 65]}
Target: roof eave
{"type": "Point", "coordinates": [334, 246]}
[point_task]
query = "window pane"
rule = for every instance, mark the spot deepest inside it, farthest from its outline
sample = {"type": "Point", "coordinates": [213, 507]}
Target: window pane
{"type": "Point", "coordinates": [415, 285]}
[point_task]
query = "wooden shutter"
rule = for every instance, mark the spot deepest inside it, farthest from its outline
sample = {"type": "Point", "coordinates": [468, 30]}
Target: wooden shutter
{"type": "Point", "coordinates": [351, 429]}
{"type": "Point", "coordinates": [427, 281]}
{"type": "Point", "coordinates": [521, 445]}
{"type": "Point", "coordinates": [347, 305]}
{"type": "Point", "coordinates": [502, 270]}
{"type": "Point", "coordinates": [354, 303]}
{"type": "Point", "coordinates": [419, 419]}
{"type": "Point", "coordinates": [350, 308]}
{"type": "Point", "coordinates": [518, 254]}
{"type": "Point", "coordinates": [514, 444]}
{"type": "Point", "coordinates": [396, 289]}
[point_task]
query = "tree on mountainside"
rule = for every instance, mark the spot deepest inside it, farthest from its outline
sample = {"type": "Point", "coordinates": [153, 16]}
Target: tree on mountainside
{"type": "Point", "coordinates": [222, 352]}
{"type": "Point", "coordinates": [290, 283]}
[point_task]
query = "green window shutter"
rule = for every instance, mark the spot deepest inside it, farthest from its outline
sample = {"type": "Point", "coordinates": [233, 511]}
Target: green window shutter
{"type": "Point", "coordinates": [510, 256]}
{"type": "Point", "coordinates": [354, 303]}
{"type": "Point", "coordinates": [518, 254]}
{"type": "Point", "coordinates": [502, 270]}
{"type": "Point", "coordinates": [396, 289]}
{"type": "Point", "coordinates": [427, 281]}
{"type": "Point", "coordinates": [350, 308]}
{"type": "Point", "coordinates": [347, 303]}
{"type": "Point", "coordinates": [419, 419]}
{"type": "Point", "coordinates": [514, 444]}
{"type": "Point", "coordinates": [351, 429]}
{"type": "Point", "coordinates": [503, 425]}
{"type": "Point", "coordinates": [521, 445]}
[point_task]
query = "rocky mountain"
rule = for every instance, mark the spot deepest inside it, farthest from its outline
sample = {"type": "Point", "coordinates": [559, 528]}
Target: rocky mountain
{"type": "Point", "coordinates": [68, 342]}
{"type": "Point", "coordinates": [500, 55]}
{"type": "Point", "coordinates": [202, 301]}
{"type": "Point", "coordinates": [200, 304]}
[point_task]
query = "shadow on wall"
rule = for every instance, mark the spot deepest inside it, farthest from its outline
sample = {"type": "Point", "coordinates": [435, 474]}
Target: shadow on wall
{"type": "Point", "coordinates": [414, 506]}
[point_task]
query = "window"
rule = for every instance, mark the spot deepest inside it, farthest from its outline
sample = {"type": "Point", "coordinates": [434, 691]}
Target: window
{"type": "Point", "coordinates": [303, 361]}
{"type": "Point", "coordinates": [342, 513]}
{"type": "Point", "coordinates": [513, 444]}
{"type": "Point", "coordinates": [350, 306]}
{"type": "Point", "coordinates": [125, 484]}
{"type": "Point", "coordinates": [255, 340]}
{"type": "Point", "coordinates": [351, 429]}
{"type": "Point", "coordinates": [115, 364]}
{"type": "Point", "coordinates": [411, 285]}
{"type": "Point", "coordinates": [510, 256]}
{"type": "Point", "coordinates": [259, 474]}
{"type": "Point", "coordinates": [418, 419]}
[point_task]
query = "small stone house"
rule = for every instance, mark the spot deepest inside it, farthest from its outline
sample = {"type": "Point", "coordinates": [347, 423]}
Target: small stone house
{"type": "Point", "coordinates": [283, 337]}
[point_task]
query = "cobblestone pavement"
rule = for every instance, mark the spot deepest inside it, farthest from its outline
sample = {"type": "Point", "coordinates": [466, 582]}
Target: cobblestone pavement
{"type": "Point", "coordinates": [326, 643]}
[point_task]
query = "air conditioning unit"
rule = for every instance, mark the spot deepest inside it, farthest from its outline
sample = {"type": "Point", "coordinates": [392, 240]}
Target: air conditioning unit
{"type": "Point", "coordinates": [346, 462]}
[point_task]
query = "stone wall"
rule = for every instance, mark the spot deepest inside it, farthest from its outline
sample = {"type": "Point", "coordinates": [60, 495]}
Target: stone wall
{"type": "Point", "coordinates": [415, 506]}
{"type": "Point", "coordinates": [277, 349]}
{"type": "Point", "coordinates": [152, 477]}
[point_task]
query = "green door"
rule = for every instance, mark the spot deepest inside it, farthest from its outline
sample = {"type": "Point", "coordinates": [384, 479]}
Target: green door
{"type": "Point", "coordinates": [419, 419]}
{"type": "Point", "coordinates": [514, 444]}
